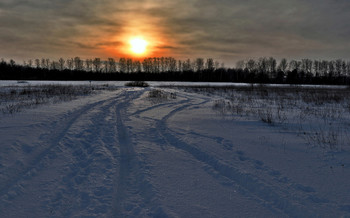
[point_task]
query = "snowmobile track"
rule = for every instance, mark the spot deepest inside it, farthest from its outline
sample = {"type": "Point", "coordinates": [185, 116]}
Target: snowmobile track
{"type": "Point", "coordinates": [15, 174]}
{"type": "Point", "coordinates": [245, 180]}
{"type": "Point", "coordinates": [131, 179]}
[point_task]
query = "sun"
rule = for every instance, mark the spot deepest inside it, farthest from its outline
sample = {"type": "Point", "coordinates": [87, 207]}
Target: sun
{"type": "Point", "coordinates": [138, 45]}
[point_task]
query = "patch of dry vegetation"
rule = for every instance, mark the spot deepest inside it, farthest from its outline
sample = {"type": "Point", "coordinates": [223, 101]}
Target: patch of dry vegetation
{"type": "Point", "coordinates": [158, 95]}
{"type": "Point", "coordinates": [137, 84]}
{"type": "Point", "coordinates": [16, 99]}
{"type": "Point", "coordinates": [320, 115]}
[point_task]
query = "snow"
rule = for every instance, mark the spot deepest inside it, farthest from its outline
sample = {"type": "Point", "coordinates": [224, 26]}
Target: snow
{"type": "Point", "coordinates": [154, 84]}
{"type": "Point", "coordinates": [120, 154]}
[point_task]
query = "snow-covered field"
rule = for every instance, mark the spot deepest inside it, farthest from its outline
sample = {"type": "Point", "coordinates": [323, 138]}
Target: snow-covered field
{"type": "Point", "coordinates": [186, 152]}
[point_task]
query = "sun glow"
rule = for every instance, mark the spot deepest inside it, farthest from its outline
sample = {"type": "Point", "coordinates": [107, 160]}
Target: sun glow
{"type": "Point", "coordinates": [138, 45]}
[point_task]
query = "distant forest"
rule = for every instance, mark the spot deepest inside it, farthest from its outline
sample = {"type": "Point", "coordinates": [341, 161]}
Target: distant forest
{"type": "Point", "coordinates": [262, 70]}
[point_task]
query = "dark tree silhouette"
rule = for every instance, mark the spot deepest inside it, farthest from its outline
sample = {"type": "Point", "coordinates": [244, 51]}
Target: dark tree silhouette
{"type": "Point", "coordinates": [262, 70]}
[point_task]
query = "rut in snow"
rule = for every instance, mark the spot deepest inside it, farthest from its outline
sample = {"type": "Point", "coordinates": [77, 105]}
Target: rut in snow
{"type": "Point", "coordinates": [131, 180]}
{"type": "Point", "coordinates": [270, 198]}
{"type": "Point", "coordinates": [15, 173]}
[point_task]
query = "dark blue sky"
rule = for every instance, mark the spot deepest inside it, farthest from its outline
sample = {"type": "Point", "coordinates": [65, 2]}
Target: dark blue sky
{"type": "Point", "coordinates": [227, 30]}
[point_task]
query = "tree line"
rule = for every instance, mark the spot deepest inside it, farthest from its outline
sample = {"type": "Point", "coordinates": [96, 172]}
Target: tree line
{"type": "Point", "coordinates": [123, 65]}
{"type": "Point", "coordinates": [316, 67]}
{"type": "Point", "coordinates": [304, 71]}
{"type": "Point", "coordinates": [262, 70]}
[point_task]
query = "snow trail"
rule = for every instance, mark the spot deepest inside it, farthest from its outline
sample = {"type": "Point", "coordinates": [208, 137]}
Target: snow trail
{"type": "Point", "coordinates": [124, 155]}
{"type": "Point", "coordinates": [288, 197]}
{"type": "Point", "coordinates": [247, 181]}
{"type": "Point", "coordinates": [56, 146]}
{"type": "Point", "coordinates": [131, 181]}
{"type": "Point", "coordinates": [15, 174]}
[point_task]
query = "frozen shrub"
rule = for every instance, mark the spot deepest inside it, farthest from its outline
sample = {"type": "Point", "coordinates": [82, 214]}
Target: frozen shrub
{"type": "Point", "coordinates": [318, 114]}
{"type": "Point", "coordinates": [160, 95]}
{"type": "Point", "coordinates": [137, 84]}
{"type": "Point", "coordinates": [266, 115]}
{"type": "Point", "coordinates": [14, 99]}
{"type": "Point", "coordinates": [222, 106]}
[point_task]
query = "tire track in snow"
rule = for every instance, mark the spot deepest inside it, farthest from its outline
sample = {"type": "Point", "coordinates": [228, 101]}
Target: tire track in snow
{"type": "Point", "coordinates": [90, 176]}
{"type": "Point", "coordinates": [14, 175]}
{"type": "Point", "coordinates": [132, 184]}
{"type": "Point", "coordinates": [246, 181]}
{"type": "Point", "coordinates": [136, 113]}
{"type": "Point", "coordinates": [258, 165]}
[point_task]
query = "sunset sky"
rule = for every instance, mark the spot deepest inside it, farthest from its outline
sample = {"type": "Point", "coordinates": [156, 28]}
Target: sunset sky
{"type": "Point", "coordinates": [226, 30]}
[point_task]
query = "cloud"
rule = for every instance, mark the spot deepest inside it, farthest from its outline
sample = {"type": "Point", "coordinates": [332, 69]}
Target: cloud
{"type": "Point", "coordinates": [222, 28]}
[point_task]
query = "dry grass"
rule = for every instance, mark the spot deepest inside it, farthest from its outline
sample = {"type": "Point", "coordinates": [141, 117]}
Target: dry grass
{"type": "Point", "coordinates": [16, 99]}
{"type": "Point", "coordinates": [321, 115]}
{"type": "Point", "coordinates": [158, 95]}
{"type": "Point", "coordinates": [137, 84]}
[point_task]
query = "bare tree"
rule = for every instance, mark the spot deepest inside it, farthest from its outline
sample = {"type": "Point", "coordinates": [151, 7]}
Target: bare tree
{"type": "Point", "coordinates": [294, 65]}
{"type": "Point", "coordinates": [263, 65]}
{"type": "Point", "coordinates": [316, 67]}
{"type": "Point", "coordinates": [199, 64]}
{"type": "Point", "coordinates": [240, 64]}
{"type": "Point", "coordinates": [186, 66]}
{"type": "Point", "coordinates": [222, 65]}
{"type": "Point", "coordinates": [283, 65]}
{"type": "Point", "coordinates": [331, 66]}
{"type": "Point", "coordinates": [55, 65]}
{"type": "Point", "coordinates": [209, 64]}
{"type": "Point", "coordinates": [163, 64]}
{"type": "Point", "coordinates": [70, 63]}
{"type": "Point", "coordinates": [172, 64]}
{"type": "Point", "coordinates": [122, 65]}
{"type": "Point", "coordinates": [12, 63]}
{"type": "Point", "coordinates": [88, 64]}
{"type": "Point", "coordinates": [30, 63]}
{"type": "Point", "coordinates": [47, 62]}
{"type": "Point", "coordinates": [338, 66]}
{"type": "Point", "coordinates": [105, 66]}
{"type": "Point", "coordinates": [166, 64]}
{"type": "Point", "coordinates": [112, 67]}
{"type": "Point", "coordinates": [129, 65]}
{"type": "Point", "coordinates": [251, 65]}
{"type": "Point", "coordinates": [179, 66]}
{"type": "Point", "coordinates": [343, 68]}
{"type": "Point", "coordinates": [43, 63]}
{"type": "Point", "coordinates": [324, 67]}
{"type": "Point", "coordinates": [348, 68]}
{"type": "Point", "coordinates": [78, 64]}
{"type": "Point", "coordinates": [136, 65]}
{"type": "Point", "coordinates": [147, 65]}
{"type": "Point", "coordinates": [217, 64]}
{"type": "Point", "coordinates": [37, 63]}
{"type": "Point", "coordinates": [306, 65]}
{"type": "Point", "coordinates": [61, 62]}
{"type": "Point", "coordinates": [271, 65]}
{"type": "Point", "coordinates": [97, 64]}
{"type": "Point", "coordinates": [156, 65]}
